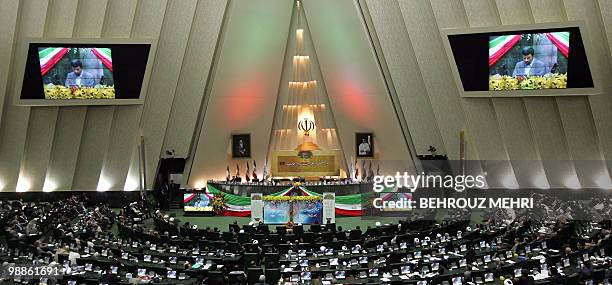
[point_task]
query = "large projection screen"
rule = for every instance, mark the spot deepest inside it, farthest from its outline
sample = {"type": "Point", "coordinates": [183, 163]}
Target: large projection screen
{"type": "Point", "coordinates": [306, 212]}
{"type": "Point", "coordinates": [65, 72]}
{"type": "Point", "coordinates": [547, 59]}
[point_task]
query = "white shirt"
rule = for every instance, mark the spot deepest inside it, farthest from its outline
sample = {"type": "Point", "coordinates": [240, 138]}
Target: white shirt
{"type": "Point", "coordinates": [364, 148]}
{"type": "Point", "coordinates": [78, 79]}
{"type": "Point", "coordinates": [528, 67]}
{"type": "Point", "coordinates": [73, 256]}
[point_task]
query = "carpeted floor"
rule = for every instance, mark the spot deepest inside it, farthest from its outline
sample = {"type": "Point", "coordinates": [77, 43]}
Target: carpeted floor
{"type": "Point", "coordinates": [347, 223]}
{"type": "Point", "coordinates": [222, 222]}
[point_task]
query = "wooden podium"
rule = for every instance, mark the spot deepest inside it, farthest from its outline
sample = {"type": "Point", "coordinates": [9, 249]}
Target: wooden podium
{"type": "Point", "coordinates": [287, 163]}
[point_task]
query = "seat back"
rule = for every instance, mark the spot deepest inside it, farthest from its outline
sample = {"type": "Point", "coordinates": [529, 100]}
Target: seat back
{"type": "Point", "coordinates": [253, 274]}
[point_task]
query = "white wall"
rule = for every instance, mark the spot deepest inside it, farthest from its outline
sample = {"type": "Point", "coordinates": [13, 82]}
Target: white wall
{"type": "Point", "coordinates": [243, 88]}
{"type": "Point", "coordinates": [246, 84]}
{"type": "Point", "coordinates": [81, 148]}
{"type": "Point", "coordinates": [524, 130]}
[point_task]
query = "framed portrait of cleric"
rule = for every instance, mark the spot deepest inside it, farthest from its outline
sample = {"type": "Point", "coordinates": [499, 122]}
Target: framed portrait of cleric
{"type": "Point", "coordinates": [241, 146]}
{"type": "Point", "coordinates": [364, 144]}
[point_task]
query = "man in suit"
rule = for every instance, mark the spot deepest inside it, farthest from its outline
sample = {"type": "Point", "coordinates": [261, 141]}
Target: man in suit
{"type": "Point", "coordinates": [529, 66]}
{"type": "Point", "coordinates": [79, 77]}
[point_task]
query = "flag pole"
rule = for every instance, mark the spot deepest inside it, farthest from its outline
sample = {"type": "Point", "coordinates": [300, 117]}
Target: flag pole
{"type": "Point", "coordinates": [143, 172]}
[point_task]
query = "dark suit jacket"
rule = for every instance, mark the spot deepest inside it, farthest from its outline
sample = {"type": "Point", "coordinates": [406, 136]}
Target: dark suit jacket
{"type": "Point", "coordinates": [536, 68]}
{"type": "Point", "coordinates": [87, 79]}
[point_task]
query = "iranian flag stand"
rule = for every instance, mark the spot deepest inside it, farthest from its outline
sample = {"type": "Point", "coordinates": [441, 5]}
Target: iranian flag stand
{"type": "Point", "coordinates": [240, 206]}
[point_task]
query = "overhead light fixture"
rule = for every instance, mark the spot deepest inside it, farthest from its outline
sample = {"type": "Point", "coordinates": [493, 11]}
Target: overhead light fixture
{"type": "Point", "coordinates": [510, 182]}
{"type": "Point", "coordinates": [103, 185]}
{"type": "Point", "coordinates": [131, 184]}
{"type": "Point", "coordinates": [49, 186]}
{"type": "Point", "coordinates": [541, 182]}
{"type": "Point", "coordinates": [572, 182]}
{"type": "Point", "coordinates": [23, 185]}
{"type": "Point", "coordinates": [603, 181]}
{"type": "Point", "coordinates": [201, 184]}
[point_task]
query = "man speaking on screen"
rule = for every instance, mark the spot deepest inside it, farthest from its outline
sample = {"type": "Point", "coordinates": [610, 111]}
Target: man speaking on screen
{"type": "Point", "coordinates": [529, 66]}
{"type": "Point", "coordinates": [79, 77]}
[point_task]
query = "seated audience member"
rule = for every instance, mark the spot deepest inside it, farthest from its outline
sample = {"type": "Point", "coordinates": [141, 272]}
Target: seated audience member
{"type": "Point", "coordinates": [73, 256]}
{"type": "Point", "coordinates": [80, 231]}
{"type": "Point", "coordinates": [262, 280]}
{"type": "Point", "coordinates": [109, 278]}
{"type": "Point", "coordinates": [525, 278]}
{"type": "Point", "coordinates": [555, 278]}
{"type": "Point", "coordinates": [467, 277]}
{"type": "Point", "coordinates": [586, 270]}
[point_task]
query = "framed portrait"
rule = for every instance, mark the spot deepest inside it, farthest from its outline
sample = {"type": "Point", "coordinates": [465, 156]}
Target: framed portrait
{"type": "Point", "coordinates": [241, 145]}
{"type": "Point", "coordinates": [364, 144]}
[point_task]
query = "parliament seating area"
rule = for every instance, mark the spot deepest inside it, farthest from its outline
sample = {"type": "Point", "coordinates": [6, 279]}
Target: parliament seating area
{"type": "Point", "coordinates": [94, 244]}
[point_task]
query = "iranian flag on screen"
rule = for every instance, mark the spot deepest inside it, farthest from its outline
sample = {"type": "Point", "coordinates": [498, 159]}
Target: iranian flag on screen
{"type": "Point", "coordinates": [500, 45]}
{"type": "Point", "coordinates": [49, 57]}
{"type": "Point", "coordinates": [561, 41]}
{"type": "Point", "coordinates": [104, 54]}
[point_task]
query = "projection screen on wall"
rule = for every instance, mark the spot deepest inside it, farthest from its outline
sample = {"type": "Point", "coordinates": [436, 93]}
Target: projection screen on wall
{"type": "Point", "coordinates": [526, 60]}
{"type": "Point", "coordinates": [83, 71]}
